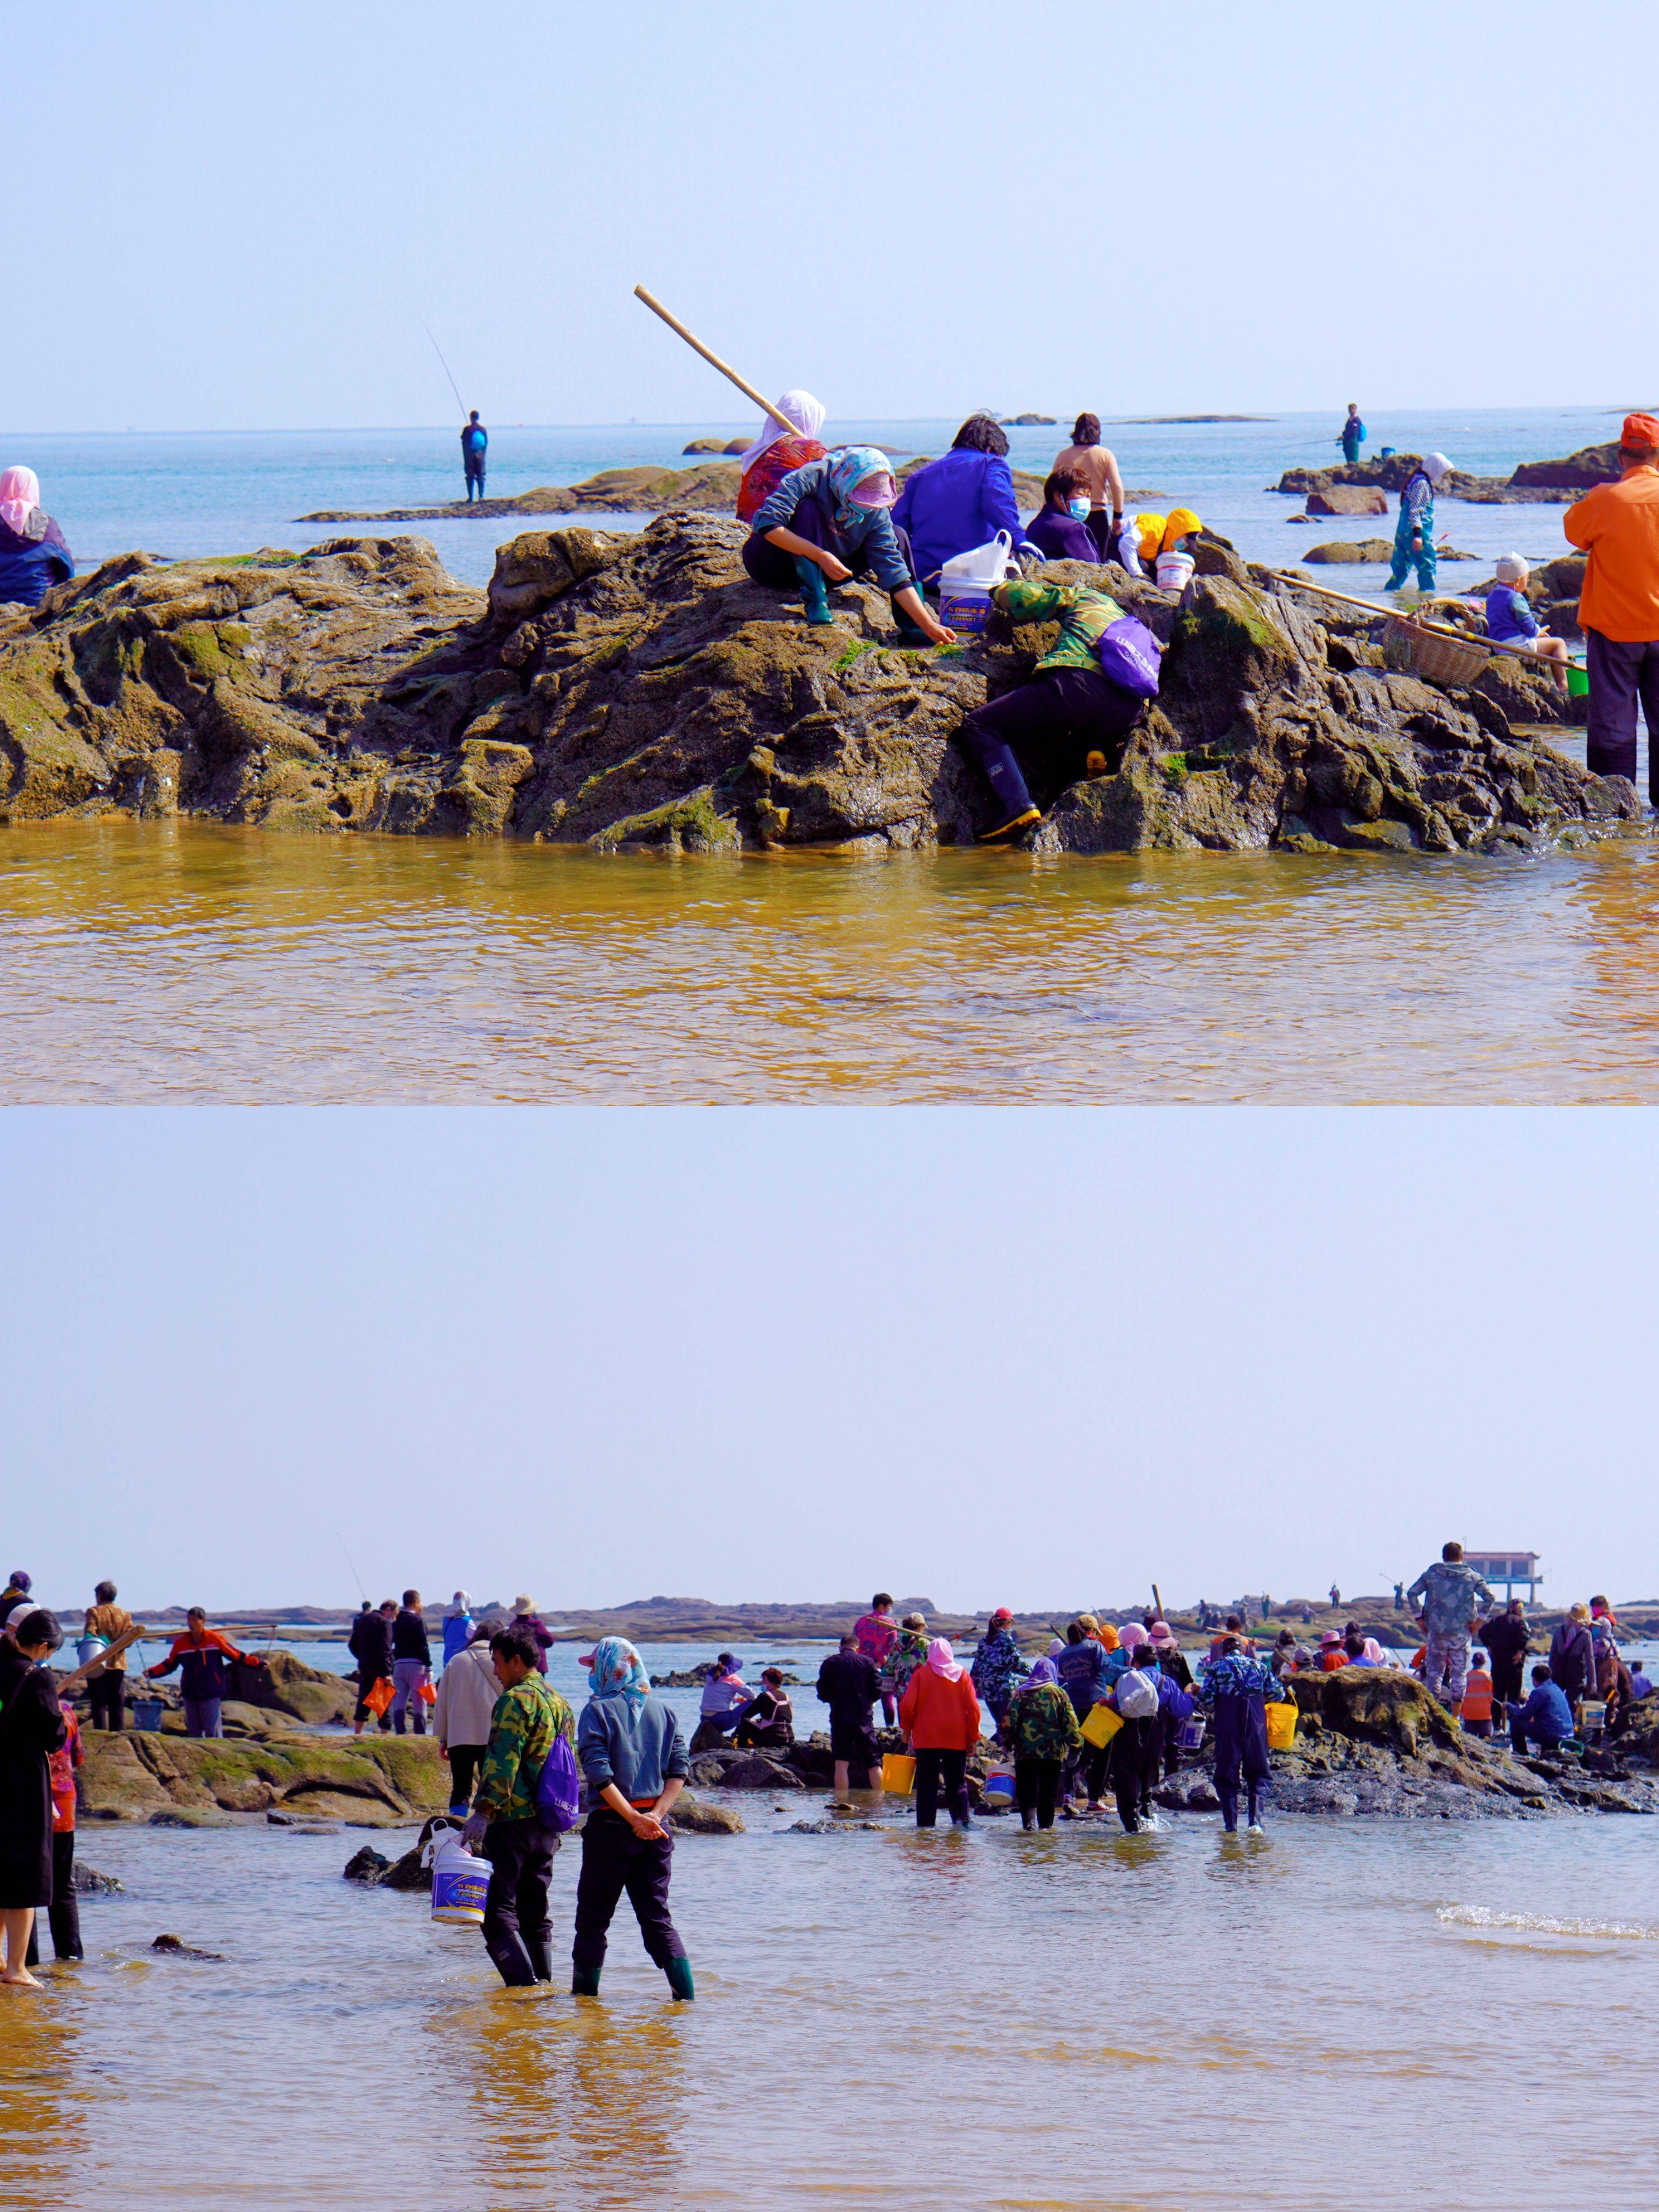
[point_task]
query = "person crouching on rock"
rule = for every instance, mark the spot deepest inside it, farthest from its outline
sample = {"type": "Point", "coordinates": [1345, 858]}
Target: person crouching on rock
{"type": "Point", "coordinates": [1235, 1692]}
{"type": "Point", "coordinates": [724, 1694]}
{"type": "Point", "coordinates": [1069, 703]}
{"type": "Point", "coordinates": [766, 1722]}
{"type": "Point", "coordinates": [1510, 620]}
{"type": "Point", "coordinates": [1545, 1719]}
{"type": "Point", "coordinates": [1060, 528]}
{"type": "Point", "coordinates": [505, 1822]}
{"type": "Point", "coordinates": [830, 521]}
{"type": "Point", "coordinates": [634, 1762]}
{"type": "Point", "coordinates": [1145, 538]}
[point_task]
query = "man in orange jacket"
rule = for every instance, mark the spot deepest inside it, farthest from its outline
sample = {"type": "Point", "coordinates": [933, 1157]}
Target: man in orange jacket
{"type": "Point", "coordinates": [1618, 525]}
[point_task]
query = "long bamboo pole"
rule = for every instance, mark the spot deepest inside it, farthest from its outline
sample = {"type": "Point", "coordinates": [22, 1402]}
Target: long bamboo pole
{"type": "Point", "coordinates": [1370, 607]}
{"type": "Point", "coordinates": [714, 360]}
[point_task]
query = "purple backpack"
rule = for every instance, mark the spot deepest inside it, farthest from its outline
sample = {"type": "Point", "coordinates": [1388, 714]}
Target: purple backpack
{"type": "Point", "coordinates": [1130, 654]}
{"type": "Point", "coordinates": [559, 1788]}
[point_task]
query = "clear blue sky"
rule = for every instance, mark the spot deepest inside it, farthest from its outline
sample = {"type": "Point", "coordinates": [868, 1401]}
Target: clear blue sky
{"type": "Point", "coordinates": [230, 217]}
{"type": "Point", "coordinates": [989, 1356]}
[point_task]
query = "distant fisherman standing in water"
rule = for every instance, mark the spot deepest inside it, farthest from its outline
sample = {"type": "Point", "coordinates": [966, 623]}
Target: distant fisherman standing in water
{"type": "Point", "coordinates": [1352, 436]}
{"type": "Point", "coordinates": [475, 442]}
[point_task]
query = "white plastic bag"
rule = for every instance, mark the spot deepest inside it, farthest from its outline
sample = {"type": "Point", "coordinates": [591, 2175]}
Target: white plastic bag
{"type": "Point", "coordinates": [986, 564]}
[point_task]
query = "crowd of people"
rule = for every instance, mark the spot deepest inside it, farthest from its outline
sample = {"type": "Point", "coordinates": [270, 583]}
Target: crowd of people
{"type": "Point", "coordinates": [1095, 1721]}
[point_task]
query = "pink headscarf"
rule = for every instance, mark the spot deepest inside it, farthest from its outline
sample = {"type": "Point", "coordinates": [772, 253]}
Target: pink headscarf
{"type": "Point", "coordinates": [20, 495]}
{"type": "Point", "coordinates": [1131, 1636]}
{"type": "Point", "coordinates": [943, 1659]}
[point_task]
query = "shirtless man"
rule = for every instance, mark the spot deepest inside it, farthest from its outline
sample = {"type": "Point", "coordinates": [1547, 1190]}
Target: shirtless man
{"type": "Point", "coordinates": [1098, 467]}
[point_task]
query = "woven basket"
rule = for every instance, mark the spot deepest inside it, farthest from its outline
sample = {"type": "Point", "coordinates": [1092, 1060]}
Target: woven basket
{"type": "Point", "coordinates": [1442, 659]}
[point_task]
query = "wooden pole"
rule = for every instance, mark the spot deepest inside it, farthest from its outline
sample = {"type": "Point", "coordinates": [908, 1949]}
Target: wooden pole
{"type": "Point", "coordinates": [99, 1665]}
{"type": "Point", "coordinates": [1442, 629]}
{"type": "Point", "coordinates": [715, 361]}
{"type": "Point", "coordinates": [1158, 1601]}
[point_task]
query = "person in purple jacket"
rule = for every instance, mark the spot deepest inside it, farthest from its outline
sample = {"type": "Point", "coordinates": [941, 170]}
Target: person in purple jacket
{"type": "Point", "coordinates": [960, 501]}
{"type": "Point", "coordinates": [33, 553]}
{"type": "Point", "coordinates": [1060, 528]}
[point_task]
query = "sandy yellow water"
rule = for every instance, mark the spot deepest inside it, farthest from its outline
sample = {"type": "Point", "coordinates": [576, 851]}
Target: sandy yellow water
{"type": "Point", "coordinates": [186, 962]}
{"type": "Point", "coordinates": [1418, 2014]}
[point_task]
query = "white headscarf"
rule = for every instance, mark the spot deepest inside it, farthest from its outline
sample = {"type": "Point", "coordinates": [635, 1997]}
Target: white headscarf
{"type": "Point", "coordinates": [1435, 467]}
{"type": "Point", "coordinates": [20, 495]}
{"type": "Point", "coordinates": [806, 414]}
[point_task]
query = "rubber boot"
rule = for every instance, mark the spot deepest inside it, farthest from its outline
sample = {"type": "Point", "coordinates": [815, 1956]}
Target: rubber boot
{"type": "Point", "coordinates": [678, 1972]}
{"type": "Point", "coordinates": [540, 1949]}
{"type": "Point", "coordinates": [814, 591]}
{"type": "Point", "coordinates": [584, 1981]}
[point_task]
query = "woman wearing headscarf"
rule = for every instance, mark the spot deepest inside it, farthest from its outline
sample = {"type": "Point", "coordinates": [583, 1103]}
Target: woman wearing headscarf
{"type": "Point", "coordinates": [30, 1729]}
{"type": "Point", "coordinates": [33, 553]}
{"type": "Point", "coordinates": [1413, 537]}
{"type": "Point", "coordinates": [775, 452]}
{"type": "Point", "coordinates": [939, 1714]}
{"type": "Point", "coordinates": [457, 1625]}
{"type": "Point", "coordinates": [634, 1762]}
{"type": "Point", "coordinates": [960, 501]}
{"type": "Point", "coordinates": [833, 519]}
{"type": "Point", "coordinates": [1039, 1728]}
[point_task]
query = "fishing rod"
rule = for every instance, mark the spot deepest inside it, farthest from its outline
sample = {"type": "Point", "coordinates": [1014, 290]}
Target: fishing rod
{"type": "Point", "coordinates": [438, 350]}
{"type": "Point", "coordinates": [352, 1564]}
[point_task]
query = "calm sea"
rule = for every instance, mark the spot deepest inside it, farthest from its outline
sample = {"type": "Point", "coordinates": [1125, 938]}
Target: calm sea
{"type": "Point", "coordinates": [177, 494]}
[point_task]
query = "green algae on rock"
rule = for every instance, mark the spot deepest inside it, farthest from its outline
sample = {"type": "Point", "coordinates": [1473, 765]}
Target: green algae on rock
{"type": "Point", "coordinates": [639, 692]}
{"type": "Point", "coordinates": [378, 1781]}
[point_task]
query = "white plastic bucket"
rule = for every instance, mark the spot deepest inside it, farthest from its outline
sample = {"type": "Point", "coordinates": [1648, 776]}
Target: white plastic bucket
{"type": "Point", "coordinates": [90, 1647]}
{"type": "Point", "coordinates": [1190, 1734]}
{"type": "Point", "coordinates": [1175, 571]}
{"type": "Point", "coordinates": [460, 1883]}
{"type": "Point", "coordinates": [964, 607]}
{"type": "Point", "coordinates": [982, 564]}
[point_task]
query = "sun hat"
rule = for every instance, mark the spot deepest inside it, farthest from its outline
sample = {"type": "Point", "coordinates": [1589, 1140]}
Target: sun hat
{"type": "Point", "coordinates": [523, 1603]}
{"type": "Point", "coordinates": [1161, 1632]}
{"type": "Point", "coordinates": [1331, 1636]}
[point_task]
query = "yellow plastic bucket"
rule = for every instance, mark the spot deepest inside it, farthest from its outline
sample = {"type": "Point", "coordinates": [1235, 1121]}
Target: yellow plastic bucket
{"type": "Point", "coordinates": [1281, 1725]}
{"type": "Point", "coordinates": [1102, 1725]}
{"type": "Point", "coordinates": [898, 1773]}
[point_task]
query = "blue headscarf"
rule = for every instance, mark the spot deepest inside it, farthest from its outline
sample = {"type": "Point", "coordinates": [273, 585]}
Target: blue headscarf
{"type": "Point", "coordinates": [848, 467]}
{"type": "Point", "coordinates": [618, 1671]}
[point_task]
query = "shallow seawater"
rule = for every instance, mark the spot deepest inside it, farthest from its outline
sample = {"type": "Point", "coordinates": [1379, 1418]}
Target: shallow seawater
{"type": "Point", "coordinates": [187, 962]}
{"type": "Point", "coordinates": [1340, 2015]}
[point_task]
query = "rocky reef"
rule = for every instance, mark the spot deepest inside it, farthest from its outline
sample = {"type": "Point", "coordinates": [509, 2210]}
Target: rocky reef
{"type": "Point", "coordinates": [1533, 483]}
{"type": "Point", "coordinates": [169, 1780]}
{"type": "Point", "coordinates": [638, 691]}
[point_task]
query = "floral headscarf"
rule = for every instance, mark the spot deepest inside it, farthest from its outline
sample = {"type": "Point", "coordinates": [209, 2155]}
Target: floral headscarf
{"type": "Point", "coordinates": [618, 1671]}
{"type": "Point", "coordinates": [848, 469]}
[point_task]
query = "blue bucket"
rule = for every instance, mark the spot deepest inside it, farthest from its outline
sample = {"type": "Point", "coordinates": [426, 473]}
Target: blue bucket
{"type": "Point", "coordinates": [1002, 1787]}
{"type": "Point", "coordinates": [146, 1712]}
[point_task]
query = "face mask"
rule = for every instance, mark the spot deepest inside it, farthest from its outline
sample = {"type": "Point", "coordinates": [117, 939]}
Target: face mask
{"type": "Point", "coordinates": [1078, 508]}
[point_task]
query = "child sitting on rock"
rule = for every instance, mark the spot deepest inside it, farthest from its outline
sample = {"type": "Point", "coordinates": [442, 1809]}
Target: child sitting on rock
{"type": "Point", "coordinates": [1475, 1711]}
{"type": "Point", "coordinates": [1510, 620]}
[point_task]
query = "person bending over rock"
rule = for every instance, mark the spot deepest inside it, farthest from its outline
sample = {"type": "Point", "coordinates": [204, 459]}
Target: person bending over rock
{"type": "Point", "coordinates": [33, 554]}
{"type": "Point", "coordinates": [1069, 703]}
{"type": "Point", "coordinates": [833, 519]}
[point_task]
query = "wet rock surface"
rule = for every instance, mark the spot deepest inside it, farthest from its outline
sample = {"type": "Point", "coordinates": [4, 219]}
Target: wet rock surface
{"type": "Point", "coordinates": [374, 1781]}
{"type": "Point", "coordinates": [1555, 483]}
{"type": "Point", "coordinates": [641, 693]}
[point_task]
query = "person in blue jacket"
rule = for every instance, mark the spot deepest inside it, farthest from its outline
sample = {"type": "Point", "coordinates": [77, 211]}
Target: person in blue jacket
{"type": "Point", "coordinates": [1060, 528]}
{"type": "Point", "coordinates": [475, 444]}
{"type": "Point", "coordinates": [833, 519]}
{"type": "Point", "coordinates": [1236, 1691]}
{"type": "Point", "coordinates": [1413, 537]}
{"type": "Point", "coordinates": [1546, 1717]}
{"type": "Point", "coordinates": [1353, 434]}
{"type": "Point", "coordinates": [960, 501]}
{"type": "Point", "coordinates": [33, 553]}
